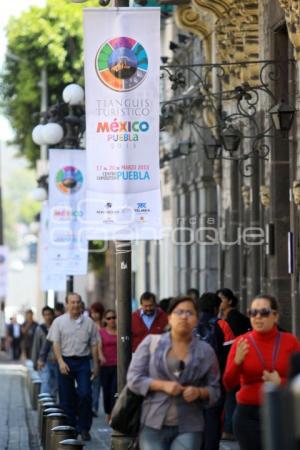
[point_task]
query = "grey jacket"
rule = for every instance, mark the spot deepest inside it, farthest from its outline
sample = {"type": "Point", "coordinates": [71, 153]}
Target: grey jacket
{"type": "Point", "coordinates": [202, 369]}
{"type": "Point", "coordinates": [38, 342]}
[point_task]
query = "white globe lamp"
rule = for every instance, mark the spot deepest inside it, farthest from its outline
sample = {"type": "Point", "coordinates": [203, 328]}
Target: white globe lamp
{"type": "Point", "coordinates": [37, 135]}
{"type": "Point", "coordinates": [53, 133]}
{"type": "Point", "coordinates": [39, 194]}
{"type": "Point", "coordinates": [73, 94]}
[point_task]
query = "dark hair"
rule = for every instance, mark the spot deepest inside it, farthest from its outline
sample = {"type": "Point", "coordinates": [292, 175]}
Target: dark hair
{"type": "Point", "coordinates": [59, 307]}
{"type": "Point", "coordinates": [47, 308]}
{"type": "Point", "coordinates": [29, 311]}
{"type": "Point", "coordinates": [109, 311]}
{"type": "Point", "coordinates": [106, 312]}
{"type": "Point", "coordinates": [209, 302]}
{"type": "Point", "coordinates": [227, 293]}
{"type": "Point", "coordinates": [73, 293]}
{"type": "Point", "coordinates": [98, 308]}
{"type": "Point", "coordinates": [148, 296]}
{"type": "Point", "coordinates": [193, 291]}
{"type": "Point", "coordinates": [180, 299]}
{"type": "Point", "coordinates": [272, 300]}
{"type": "Point", "coordinates": [164, 303]}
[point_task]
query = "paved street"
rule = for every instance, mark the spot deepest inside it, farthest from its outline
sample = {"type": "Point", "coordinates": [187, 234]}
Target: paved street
{"type": "Point", "coordinates": [18, 423]}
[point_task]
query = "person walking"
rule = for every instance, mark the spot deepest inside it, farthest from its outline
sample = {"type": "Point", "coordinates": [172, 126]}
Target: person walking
{"type": "Point", "coordinates": [148, 319]}
{"type": "Point", "coordinates": [48, 370]}
{"type": "Point", "coordinates": [75, 338]}
{"type": "Point", "coordinates": [14, 337]}
{"type": "Point", "coordinates": [178, 378]}
{"type": "Point", "coordinates": [239, 324]}
{"type": "Point", "coordinates": [257, 357]}
{"type": "Point", "coordinates": [218, 334]}
{"type": "Point", "coordinates": [96, 314]}
{"type": "Point", "coordinates": [28, 329]}
{"type": "Point", "coordinates": [108, 361]}
{"type": "Point", "coordinates": [3, 331]}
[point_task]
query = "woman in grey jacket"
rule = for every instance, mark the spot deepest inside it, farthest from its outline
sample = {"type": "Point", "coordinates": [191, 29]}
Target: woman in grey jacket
{"type": "Point", "coordinates": [179, 376]}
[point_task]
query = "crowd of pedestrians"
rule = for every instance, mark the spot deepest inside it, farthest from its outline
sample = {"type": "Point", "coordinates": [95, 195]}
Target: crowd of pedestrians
{"type": "Point", "coordinates": [199, 363]}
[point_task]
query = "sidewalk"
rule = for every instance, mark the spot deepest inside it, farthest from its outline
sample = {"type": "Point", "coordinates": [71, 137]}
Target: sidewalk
{"type": "Point", "coordinates": [18, 422]}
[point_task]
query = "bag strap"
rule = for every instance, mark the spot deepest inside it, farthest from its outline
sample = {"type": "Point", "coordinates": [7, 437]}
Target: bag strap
{"type": "Point", "coordinates": [155, 338]}
{"type": "Point", "coordinates": [274, 353]}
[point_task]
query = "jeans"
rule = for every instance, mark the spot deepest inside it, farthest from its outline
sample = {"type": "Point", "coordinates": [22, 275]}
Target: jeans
{"type": "Point", "coordinates": [229, 408]}
{"type": "Point", "coordinates": [169, 438]}
{"type": "Point", "coordinates": [96, 386]}
{"type": "Point", "coordinates": [49, 378]}
{"type": "Point", "coordinates": [213, 425]}
{"type": "Point", "coordinates": [108, 377]}
{"type": "Point", "coordinates": [77, 402]}
{"type": "Point", "coordinates": [247, 427]}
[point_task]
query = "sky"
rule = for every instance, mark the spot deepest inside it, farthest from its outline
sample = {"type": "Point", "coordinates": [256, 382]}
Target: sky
{"type": "Point", "coordinates": [8, 9]}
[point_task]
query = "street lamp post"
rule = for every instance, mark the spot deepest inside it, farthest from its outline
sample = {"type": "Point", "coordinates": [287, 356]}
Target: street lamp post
{"type": "Point", "coordinates": [63, 129]}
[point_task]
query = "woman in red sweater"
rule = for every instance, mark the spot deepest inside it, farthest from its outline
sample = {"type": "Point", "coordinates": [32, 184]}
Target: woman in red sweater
{"type": "Point", "coordinates": [259, 356]}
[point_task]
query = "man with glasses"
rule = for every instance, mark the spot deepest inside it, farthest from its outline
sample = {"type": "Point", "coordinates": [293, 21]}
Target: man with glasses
{"type": "Point", "coordinates": [75, 338]}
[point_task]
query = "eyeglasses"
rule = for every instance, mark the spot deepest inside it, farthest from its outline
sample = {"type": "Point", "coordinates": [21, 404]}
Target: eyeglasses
{"type": "Point", "coordinates": [264, 312]}
{"type": "Point", "coordinates": [110, 318]}
{"type": "Point", "coordinates": [184, 312]}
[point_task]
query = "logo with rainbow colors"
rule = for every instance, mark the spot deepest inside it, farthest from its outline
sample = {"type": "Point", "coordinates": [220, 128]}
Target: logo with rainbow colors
{"type": "Point", "coordinates": [122, 64]}
{"type": "Point", "coordinates": [69, 180]}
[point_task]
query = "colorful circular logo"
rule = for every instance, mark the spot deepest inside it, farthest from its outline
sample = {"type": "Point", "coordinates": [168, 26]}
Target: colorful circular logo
{"type": "Point", "coordinates": [122, 64]}
{"type": "Point", "coordinates": [69, 180]}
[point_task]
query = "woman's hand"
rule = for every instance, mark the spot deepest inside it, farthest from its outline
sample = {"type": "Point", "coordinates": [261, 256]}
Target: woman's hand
{"type": "Point", "coordinates": [172, 388]}
{"type": "Point", "coordinates": [191, 393]}
{"type": "Point", "coordinates": [271, 377]}
{"type": "Point", "coordinates": [242, 349]}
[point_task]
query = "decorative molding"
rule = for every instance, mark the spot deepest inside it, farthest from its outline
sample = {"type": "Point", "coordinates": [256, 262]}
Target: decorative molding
{"type": "Point", "coordinates": [190, 20]}
{"type": "Point", "coordinates": [291, 10]}
{"type": "Point", "coordinates": [235, 25]}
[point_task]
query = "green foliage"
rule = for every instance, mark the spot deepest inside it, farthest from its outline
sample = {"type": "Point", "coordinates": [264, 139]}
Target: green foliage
{"type": "Point", "coordinates": [18, 206]}
{"type": "Point", "coordinates": [48, 37]}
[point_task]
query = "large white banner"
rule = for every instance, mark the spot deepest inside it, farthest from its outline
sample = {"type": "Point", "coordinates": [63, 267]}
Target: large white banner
{"type": "Point", "coordinates": [3, 270]}
{"type": "Point", "coordinates": [50, 278]}
{"type": "Point", "coordinates": [68, 246]}
{"type": "Point", "coordinates": [122, 60]}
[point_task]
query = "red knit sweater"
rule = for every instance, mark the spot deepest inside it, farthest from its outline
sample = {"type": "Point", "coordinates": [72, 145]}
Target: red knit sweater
{"type": "Point", "coordinates": [249, 374]}
{"type": "Point", "coordinates": [139, 329]}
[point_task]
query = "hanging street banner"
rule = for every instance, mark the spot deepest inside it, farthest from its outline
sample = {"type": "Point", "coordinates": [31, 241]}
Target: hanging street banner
{"type": "Point", "coordinates": [3, 271]}
{"type": "Point", "coordinates": [68, 246]}
{"type": "Point", "coordinates": [49, 278]}
{"type": "Point", "coordinates": [122, 63]}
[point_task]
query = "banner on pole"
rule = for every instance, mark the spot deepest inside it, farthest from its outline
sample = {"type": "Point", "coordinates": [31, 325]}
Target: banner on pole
{"type": "Point", "coordinates": [122, 61]}
{"type": "Point", "coordinates": [49, 278]}
{"type": "Point", "coordinates": [68, 246]}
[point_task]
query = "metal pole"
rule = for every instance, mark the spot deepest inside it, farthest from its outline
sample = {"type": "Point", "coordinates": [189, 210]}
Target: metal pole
{"type": "Point", "coordinates": [70, 284]}
{"type": "Point", "coordinates": [123, 306]}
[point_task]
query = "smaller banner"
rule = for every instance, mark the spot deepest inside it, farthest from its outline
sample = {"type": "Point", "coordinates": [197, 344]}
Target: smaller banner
{"type": "Point", "coordinates": [49, 277]}
{"type": "Point", "coordinates": [3, 270]}
{"type": "Point", "coordinates": [68, 246]}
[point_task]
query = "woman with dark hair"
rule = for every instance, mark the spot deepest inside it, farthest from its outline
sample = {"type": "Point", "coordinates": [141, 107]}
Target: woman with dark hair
{"type": "Point", "coordinates": [238, 322]}
{"type": "Point", "coordinates": [179, 377]}
{"type": "Point", "coordinates": [257, 357]}
{"type": "Point", "coordinates": [96, 311]}
{"type": "Point", "coordinates": [108, 358]}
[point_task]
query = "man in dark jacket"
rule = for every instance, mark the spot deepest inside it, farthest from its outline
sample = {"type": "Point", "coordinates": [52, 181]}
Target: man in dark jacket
{"type": "Point", "coordinates": [148, 319]}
